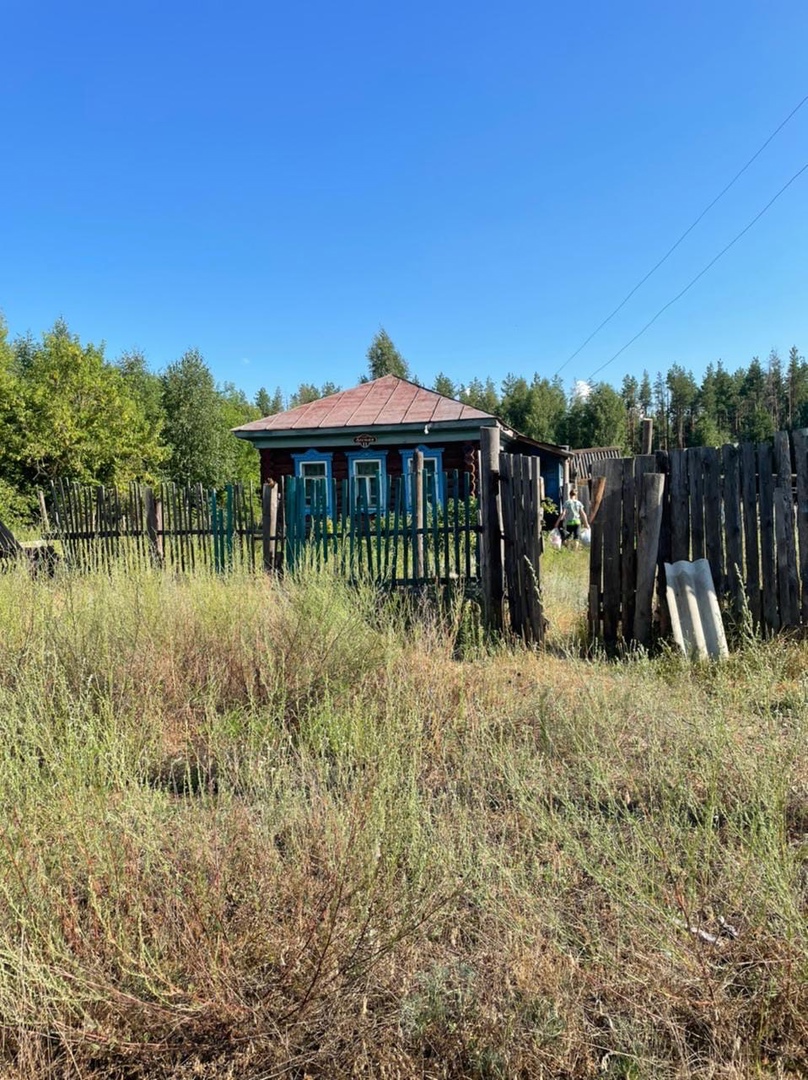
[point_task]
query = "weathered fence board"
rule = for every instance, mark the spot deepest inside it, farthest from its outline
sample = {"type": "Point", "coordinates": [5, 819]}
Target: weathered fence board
{"type": "Point", "coordinates": [731, 493]}
{"type": "Point", "coordinates": [680, 512]}
{"type": "Point", "coordinates": [768, 574]}
{"type": "Point", "coordinates": [742, 508]}
{"type": "Point", "coordinates": [751, 530]}
{"type": "Point", "coordinates": [611, 512]}
{"type": "Point", "coordinates": [801, 466]}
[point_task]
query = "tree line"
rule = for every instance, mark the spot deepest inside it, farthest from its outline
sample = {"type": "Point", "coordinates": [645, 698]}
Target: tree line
{"type": "Point", "coordinates": [67, 411]}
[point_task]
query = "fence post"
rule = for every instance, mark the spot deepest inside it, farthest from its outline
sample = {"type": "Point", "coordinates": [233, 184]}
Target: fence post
{"type": "Point", "coordinates": [491, 547]}
{"type": "Point", "coordinates": [229, 528]}
{"type": "Point", "coordinates": [647, 435]}
{"type": "Point", "coordinates": [43, 511]}
{"type": "Point", "coordinates": [652, 486]}
{"type": "Point", "coordinates": [418, 502]}
{"type": "Point", "coordinates": [269, 521]}
{"type": "Point", "coordinates": [154, 525]}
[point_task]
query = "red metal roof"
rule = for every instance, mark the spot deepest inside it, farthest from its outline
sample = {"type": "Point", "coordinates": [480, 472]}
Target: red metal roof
{"type": "Point", "coordinates": [388, 400]}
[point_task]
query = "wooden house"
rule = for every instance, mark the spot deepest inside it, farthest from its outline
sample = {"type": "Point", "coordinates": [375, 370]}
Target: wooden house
{"type": "Point", "coordinates": [369, 434]}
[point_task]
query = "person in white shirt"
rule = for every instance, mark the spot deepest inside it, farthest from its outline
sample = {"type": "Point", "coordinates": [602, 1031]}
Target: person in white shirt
{"type": "Point", "coordinates": [571, 517]}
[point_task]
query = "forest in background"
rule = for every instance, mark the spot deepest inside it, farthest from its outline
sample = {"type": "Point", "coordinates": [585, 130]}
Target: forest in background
{"type": "Point", "coordinates": [69, 412]}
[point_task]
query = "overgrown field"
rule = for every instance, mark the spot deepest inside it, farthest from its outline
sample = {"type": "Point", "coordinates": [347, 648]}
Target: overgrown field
{"type": "Point", "coordinates": [252, 829]}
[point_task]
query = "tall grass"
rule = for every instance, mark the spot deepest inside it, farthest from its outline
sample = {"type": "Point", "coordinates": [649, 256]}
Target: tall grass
{"type": "Point", "coordinates": [251, 828]}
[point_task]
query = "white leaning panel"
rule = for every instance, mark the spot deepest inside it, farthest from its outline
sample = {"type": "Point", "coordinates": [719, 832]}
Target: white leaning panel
{"type": "Point", "coordinates": [694, 611]}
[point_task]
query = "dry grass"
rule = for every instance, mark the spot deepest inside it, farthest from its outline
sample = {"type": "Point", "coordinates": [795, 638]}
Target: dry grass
{"type": "Point", "coordinates": [251, 830]}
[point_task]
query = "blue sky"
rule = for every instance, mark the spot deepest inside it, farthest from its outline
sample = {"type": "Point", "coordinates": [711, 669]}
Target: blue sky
{"type": "Point", "coordinates": [271, 183]}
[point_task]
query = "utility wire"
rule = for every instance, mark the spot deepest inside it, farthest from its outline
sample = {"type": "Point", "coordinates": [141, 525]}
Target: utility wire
{"type": "Point", "coordinates": [684, 235]}
{"type": "Point", "coordinates": [701, 273]}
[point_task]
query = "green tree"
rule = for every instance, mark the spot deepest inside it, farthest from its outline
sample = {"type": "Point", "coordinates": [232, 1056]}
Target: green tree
{"type": "Point", "coordinates": [755, 420]}
{"type": "Point", "coordinates": [268, 404]}
{"type": "Point", "coordinates": [599, 419]}
{"type": "Point", "coordinates": [146, 388]}
{"type": "Point", "coordinates": [240, 461]}
{"type": "Point", "coordinates": [385, 359]}
{"type": "Point", "coordinates": [630, 393]}
{"type": "Point", "coordinates": [683, 394]}
{"type": "Point", "coordinates": [444, 385]}
{"type": "Point", "coordinates": [646, 394]}
{"type": "Point", "coordinates": [548, 407]}
{"type": "Point", "coordinates": [776, 390]}
{"type": "Point", "coordinates": [196, 429]}
{"type": "Point", "coordinates": [78, 419]}
{"type": "Point", "coordinates": [481, 395]}
{"type": "Point", "coordinates": [796, 389]}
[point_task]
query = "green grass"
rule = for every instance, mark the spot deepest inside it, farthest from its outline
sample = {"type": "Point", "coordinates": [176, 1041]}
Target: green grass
{"type": "Point", "coordinates": [255, 829]}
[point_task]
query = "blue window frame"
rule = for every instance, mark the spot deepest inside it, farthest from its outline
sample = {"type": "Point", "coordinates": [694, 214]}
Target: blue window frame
{"type": "Point", "coordinates": [367, 480]}
{"type": "Point", "coordinates": [433, 466]}
{"type": "Point", "coordinates": [314, 469]}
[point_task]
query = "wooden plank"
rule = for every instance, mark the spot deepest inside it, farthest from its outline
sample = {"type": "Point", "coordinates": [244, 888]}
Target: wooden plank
{"type": "Point", "coordinates": [492, 534]}
{"type": "Point", "coordinates": [418, 500]}
{"type": "Point", "coordinates": [651, 492]}
{"type": "Point", "coordinates": [695, 483]}
{"type": "Point", "coordinates": [665, 541]}
{"type": "Point", "coordinates": [507, 499]}
{"type": "Point", "coordinates": [456, 520]}
{"type": "Point", "coordinates": [787, 584]}
{"type": "Point", "coordinates": [731, 496]}
{"type": "Point", "coordinates": [269, 516]}
{"type": "Point", "coordinates": [680, 504]}
{"type": "Point", "coordinates": [751, 532]}
{"type": "Point", "coordinates": [781, 450]}
{"type": "Point", "coordinates": [152, 527]}
{"type": "Point", "coordinates": [711, 463]}
{"type": "Point", "coordinates": [768, 570]}
{"type": "Point", "coordinates": [611, 509]}
{"type": "Point", "coordinates": [532, 478]}
{"type": "Point", "coordinates": [800, 439]}
{"type": "Point", "coordinates": [431, 484]}
{"type": "Point", "coordinates": [595, 599]}
{"type": "Point", "coordinates": [788, 575]}
{"type": "Point", "coordinates": [628, 562]}
{"type": "Point", "coordinates": [467, 483]}
{"type": "Point", "coordinates": [598, 484]}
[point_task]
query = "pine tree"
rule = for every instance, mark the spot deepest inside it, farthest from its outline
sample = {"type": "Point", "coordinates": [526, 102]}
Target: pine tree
{"type": "Point", "coordinates": [385, 359]}
{"type": "Point", "coordinates": [444, 385]}
{"type": "Point", "coordinates": [269, 404]}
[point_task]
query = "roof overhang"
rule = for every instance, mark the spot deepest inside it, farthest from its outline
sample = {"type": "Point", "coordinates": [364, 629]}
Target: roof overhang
{"type": "Point", "coordinates": [393, 435]}
{"type": "Point", "coordinates": [383, 434]}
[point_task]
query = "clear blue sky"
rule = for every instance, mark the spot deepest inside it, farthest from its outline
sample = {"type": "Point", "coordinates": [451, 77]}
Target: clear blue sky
{"type": "Point", "coordinates": [272, 182]}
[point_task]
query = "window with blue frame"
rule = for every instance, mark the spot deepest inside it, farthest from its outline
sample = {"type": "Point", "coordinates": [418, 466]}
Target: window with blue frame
{"type": "Point", "coordinates": [367, 478]}
{"type": "Point", "coordinates": [433, 468]}
{"type": "Point", "coordinates": [314, 469]}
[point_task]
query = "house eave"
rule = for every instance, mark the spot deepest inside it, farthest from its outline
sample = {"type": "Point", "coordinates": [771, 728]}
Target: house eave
{"type": "Point", "coordinates": [383, 434]}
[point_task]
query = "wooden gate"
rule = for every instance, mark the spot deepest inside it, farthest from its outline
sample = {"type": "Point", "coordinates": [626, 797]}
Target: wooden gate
{"type": "Point", "coordinates": [511, 516]}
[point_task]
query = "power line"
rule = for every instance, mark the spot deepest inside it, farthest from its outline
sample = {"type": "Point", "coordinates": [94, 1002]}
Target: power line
{"type": "Point", "coordinates": [701, 273]}
{"type": "Point", "coordinates": [684, 235]}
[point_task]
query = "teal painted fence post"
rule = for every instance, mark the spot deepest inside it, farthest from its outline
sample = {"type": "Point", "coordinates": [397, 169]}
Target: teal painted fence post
{"type": "Point", "coordinates": [228, 538]}
{"type": "Point", "coordinates": [215, 528]}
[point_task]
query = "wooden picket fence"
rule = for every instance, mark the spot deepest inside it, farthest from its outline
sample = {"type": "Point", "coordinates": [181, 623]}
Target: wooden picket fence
{"type": "Point", "coordinates": [184, 528]}
{"type": "Point", "coordinates": [431, 531]}
{"type": "Point", "coordinates": [743, 508]}
{"type": "Point", "coordinates": [427, 532]}
{"type": "Point", "coordinates": [173, 526]}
